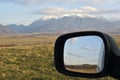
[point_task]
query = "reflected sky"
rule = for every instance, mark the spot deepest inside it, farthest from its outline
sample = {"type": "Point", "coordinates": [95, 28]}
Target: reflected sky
{"type": "Point", "coordinates": [83, 50]}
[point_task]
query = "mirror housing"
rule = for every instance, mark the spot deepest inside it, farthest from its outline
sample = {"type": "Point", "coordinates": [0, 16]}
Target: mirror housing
{"type": "Point", "coordinates": [59, 54]}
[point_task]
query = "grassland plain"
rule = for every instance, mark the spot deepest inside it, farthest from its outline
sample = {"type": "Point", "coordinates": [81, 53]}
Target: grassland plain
{"type": "Point", "coordinates": [31, 58]}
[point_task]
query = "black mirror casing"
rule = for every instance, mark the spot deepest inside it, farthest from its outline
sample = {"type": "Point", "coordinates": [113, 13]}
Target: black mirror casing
{"type": "Point", "coordinates": [58, 54]}
{"type": "Point", "coordinates": [114, 59]}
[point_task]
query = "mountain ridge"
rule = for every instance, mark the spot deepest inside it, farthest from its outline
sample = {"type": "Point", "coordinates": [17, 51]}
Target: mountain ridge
{"type": "Point", "coordinates": [67, 24]}
{"type": "Point", "coordinates": [5, 30]}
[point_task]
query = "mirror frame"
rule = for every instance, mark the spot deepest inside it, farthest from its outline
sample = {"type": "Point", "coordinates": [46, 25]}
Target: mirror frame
{"type": "Point", "coordinates": [59, 54]}
{"type": "Point", "coordinates": [95, 62]}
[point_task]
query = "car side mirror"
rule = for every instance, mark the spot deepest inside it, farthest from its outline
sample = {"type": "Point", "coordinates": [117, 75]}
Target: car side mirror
{"type": "Point", "coordinates": [82, 54]}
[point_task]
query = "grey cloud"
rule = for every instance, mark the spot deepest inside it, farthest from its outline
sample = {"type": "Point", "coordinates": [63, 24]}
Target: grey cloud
{"type": "Point", "coordinates": [28, 2]}
{"type": "Point", "coordinates": [82, 10]}
{"type": "Point", "coordinates": [74, 54]}
{"type": "Point", "coordinates": [100, 2]}
{"type": "Point", "coordinates": [51, 11]}
{"type": "Point", "coordinates": [61, 11]}
{"type": "Point", "coordinates": [40, 2]}
{"type": "Point", "coordinates": [88, 48]}
{"type": "Point", "coordinates": [109, 11]}
{"type": "Point", "coordinates": [84, 2]}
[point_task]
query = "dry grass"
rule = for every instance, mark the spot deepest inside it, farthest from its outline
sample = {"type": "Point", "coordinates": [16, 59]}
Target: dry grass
{"type": "Point", "coordinates": [23, 41]}
{"type": "Point", "coordinates": [30, 58]}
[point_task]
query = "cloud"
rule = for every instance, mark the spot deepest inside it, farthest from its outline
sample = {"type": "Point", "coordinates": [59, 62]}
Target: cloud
{"type": "Point", "coordinates": [65, 12]}
{"type": "Point", "coordinates": [57, 11]}
{"type": "Point", "coordinates": [100, 2]}
{"type": "Point", "coordinates": [43, 2]}
{"type": "Point", "coordinates": [92, 8]}
{"type": "Point", "coordinates": [26, 2]}
{"type": "Point", "coordinates": [81, 12]}
{"type": "Point", "coordinates": [88, 48]}
{"type": "Point", "coordinates": [74, 54]}
{"type": "Point", "coordinates": [51, 11]}
{"type": "Point", "coordinates": [109, 11]}
{"type": "Point", "coordinates": [73, 40]}
{"type": "Point", "coordinates": [40, 2]}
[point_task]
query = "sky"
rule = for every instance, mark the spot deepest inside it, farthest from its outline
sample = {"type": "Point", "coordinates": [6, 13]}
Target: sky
{"type": "Point", "coordinates": [84, 50]}
{"type": "Point", "coordinates": [27, 11]}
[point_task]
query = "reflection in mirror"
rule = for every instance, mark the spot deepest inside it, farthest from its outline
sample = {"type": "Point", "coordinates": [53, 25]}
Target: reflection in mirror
{"type": "Point", "coordinates": [84, 54]}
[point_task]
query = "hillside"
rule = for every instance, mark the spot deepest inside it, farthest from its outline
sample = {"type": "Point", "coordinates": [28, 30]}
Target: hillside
{"type": "Point", "coordinates": [68, 24]}
{"type": "Point", "coordinates": [5, 30]}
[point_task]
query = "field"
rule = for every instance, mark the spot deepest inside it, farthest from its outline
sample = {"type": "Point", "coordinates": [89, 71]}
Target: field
{"type": "Point", "coordinates": [31, 58]}
{"type": "Point", "coordinates": [84, 68]}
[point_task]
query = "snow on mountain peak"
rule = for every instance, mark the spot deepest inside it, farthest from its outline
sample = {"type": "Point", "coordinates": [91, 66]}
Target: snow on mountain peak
{"type": "Point", "coordinates": [49, 17]}
{"type": "Point", "coordinates": [65, 15]}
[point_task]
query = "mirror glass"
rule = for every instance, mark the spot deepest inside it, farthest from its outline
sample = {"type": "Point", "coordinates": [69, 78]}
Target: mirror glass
{"type": "Point", "coordinates": [84, 54]}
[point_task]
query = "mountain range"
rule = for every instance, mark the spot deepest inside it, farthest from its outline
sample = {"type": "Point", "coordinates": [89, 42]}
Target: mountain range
{"type": "Point", "coordinates": [63, 25]}
{"type": "Point", "coordinates": [5, 30]}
